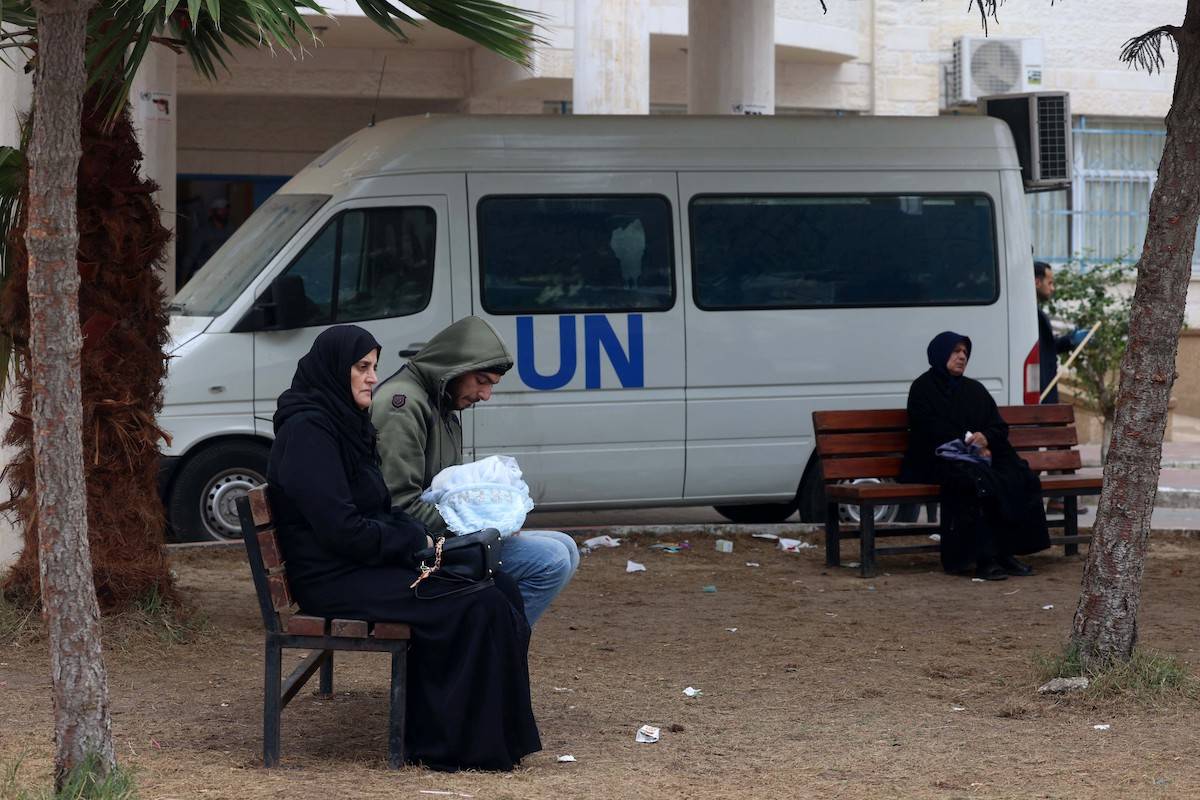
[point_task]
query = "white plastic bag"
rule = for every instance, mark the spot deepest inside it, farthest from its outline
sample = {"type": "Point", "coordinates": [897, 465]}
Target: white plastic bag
{"type": "Point", "coordinates": [488, 493]}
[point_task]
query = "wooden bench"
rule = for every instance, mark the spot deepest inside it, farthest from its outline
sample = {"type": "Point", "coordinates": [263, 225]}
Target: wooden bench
{"type": "Point", "coordinates": [286, 629]}
{"type": "Point", "coordinates": [871, 443]}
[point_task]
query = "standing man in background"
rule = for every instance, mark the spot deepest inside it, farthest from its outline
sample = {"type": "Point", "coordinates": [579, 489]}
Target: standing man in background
{"type": "Point", "coordinates": [1049, 346]}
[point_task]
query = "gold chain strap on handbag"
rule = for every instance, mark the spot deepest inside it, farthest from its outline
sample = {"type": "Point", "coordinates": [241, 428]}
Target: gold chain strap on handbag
{"type": "Point", "coordinates": [437, 562]}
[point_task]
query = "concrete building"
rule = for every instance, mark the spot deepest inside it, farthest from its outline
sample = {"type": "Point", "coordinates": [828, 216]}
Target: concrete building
{"type": "Point", "coordinates": [236, 140]}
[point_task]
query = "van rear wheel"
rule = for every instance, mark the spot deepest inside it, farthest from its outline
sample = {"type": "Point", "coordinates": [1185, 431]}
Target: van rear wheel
{"type": "Point", "coordinates": [202, 502]}
{"type": "Point", "coordinates": [757, 513]}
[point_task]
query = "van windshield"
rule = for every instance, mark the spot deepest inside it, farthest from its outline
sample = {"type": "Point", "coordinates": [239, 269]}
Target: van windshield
{"type": "Point", "coordinates": [231, 269]}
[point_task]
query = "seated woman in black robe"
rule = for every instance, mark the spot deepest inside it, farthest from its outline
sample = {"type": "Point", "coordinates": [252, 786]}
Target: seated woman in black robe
{"type": "Point", "coordinates": [989, 512]}
{"type": "Point", "coordinates": [350, 555]}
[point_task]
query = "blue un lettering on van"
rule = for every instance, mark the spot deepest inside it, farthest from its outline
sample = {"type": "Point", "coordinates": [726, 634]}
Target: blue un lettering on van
{"type": "Point", "coordinates": [598, 334]}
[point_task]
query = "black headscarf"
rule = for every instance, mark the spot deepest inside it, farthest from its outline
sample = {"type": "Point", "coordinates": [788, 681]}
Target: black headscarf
{"type": "Point", "coordinates": [321, 386]}
{"type": "Point", "coordinates": [939, 351]}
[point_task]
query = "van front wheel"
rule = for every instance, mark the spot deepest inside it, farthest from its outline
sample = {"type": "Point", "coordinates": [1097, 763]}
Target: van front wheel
{"type": "Point", "coordinates": [757, 513]}
{"type": "Point", "coordinates": [202, 502]}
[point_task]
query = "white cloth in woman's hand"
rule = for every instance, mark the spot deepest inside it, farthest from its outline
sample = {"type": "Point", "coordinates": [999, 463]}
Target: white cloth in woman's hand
{"type": "Point", "coordinates": [488, 493]}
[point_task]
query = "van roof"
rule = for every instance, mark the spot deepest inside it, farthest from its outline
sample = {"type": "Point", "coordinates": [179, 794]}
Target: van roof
{"type": "Point", "coordinates": [536, 143]}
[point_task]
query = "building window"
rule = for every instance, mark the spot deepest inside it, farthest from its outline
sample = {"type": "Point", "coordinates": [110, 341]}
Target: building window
{"type": "Point", "coordinates": [567, 254]}
{"type": "Point", "coordinates": [1104, 217]}
{"type": "Point", "coordinates": [842, 251]}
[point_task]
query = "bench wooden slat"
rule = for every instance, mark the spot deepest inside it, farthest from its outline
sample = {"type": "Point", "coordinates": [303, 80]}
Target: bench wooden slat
{"type": "Point", "coordinates": [391, 630]}
{"type": "Point", "coordinates": [862, 444]}
{"type": "Point", "coordinates": [1058, 414]}
{"type": "Point", "coordinates": [1043, 460]}
{"type": "Point", "coordinates": [260, 507]}
{"type": "Point", "coordinates": [281, 596]}
{"type": "Point", "coordinates": [268, 545]}
{"type": "Point", "coordinates": [882, 491]}
{"type": "Point", "coordinates": [1071, 482]}
{"type": "Point", "coordinates": [838, 469]}
{"type": "Point", "coordinates": [1027, 438]}
{"type": "Point", "coordinates": [868, 420]}
{"type": "Point", "coordinates": [302, 625]}
{"type": "Point", "coordinates": [351, 628]}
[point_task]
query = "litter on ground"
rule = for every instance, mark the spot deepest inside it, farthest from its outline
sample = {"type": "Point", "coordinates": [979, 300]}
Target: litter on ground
{"type": "Point", "coordinates": [710, 589]}
{"type": "Point", "coordinates": [1048, 606]}
{"type": "Point", "coordinates": [724, 546]}
{"type": "Point", "coordinates": [691, 691]}
{"type": "Point", "coordinates": [1101, 727]}
{"type": "Point", "coordinates": [567, 759]}
{"type": "Point", "coordinates": [633, 566]}
{"type": "Point", "coordinates": [671, 547]}
{"type": "Point", "coordinates": [732, 630]}
{"type": "Point", "coordinates": [773, 537]}
{"type": "Point", "coordinates": [647, 734]}
{"type": "Point", "coordinates": [794, 545]}
{"type": "Point", "coordinates": [601, 541]}
{"type": "Point", "coordinates": [753, 564]}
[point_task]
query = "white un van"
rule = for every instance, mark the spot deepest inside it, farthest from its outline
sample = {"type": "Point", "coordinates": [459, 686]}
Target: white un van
{"type": "Point", "coordinates": [680, 293]}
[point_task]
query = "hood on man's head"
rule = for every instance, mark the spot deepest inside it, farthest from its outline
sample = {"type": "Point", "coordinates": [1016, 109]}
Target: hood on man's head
{"type": "Point", "coordinates": [466, 346]}
{"type": "Point", "coordinates": [943, 345]}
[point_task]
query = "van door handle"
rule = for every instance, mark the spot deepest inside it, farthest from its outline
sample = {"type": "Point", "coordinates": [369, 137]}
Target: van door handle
{"type": "Point", "coordinates": [412, 349]}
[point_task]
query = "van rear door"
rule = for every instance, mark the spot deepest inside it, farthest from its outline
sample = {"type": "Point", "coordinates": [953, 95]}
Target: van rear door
{"type": "Point", "coordinates": [577, 272]}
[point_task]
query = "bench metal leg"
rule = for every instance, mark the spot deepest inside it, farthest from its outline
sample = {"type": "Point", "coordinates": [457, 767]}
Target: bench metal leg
{"type": "Point", "coordinates": [833, 536]}
{"type": "Point", "coordinates": [1071, 523]}
{"type": "Point", "coordinates": [272, 706]}
{"type": "Point", "coordinates": [931, 513]}
{"type": "Point", "coordinates": [327, 674]}
{"type": "Point", "coordinates": [866, 513]}
{"type": "Point", "coordinates": [396, 714]}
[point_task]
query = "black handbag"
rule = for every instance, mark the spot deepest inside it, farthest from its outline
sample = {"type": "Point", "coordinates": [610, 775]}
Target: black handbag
{"type": "Point", "coordinates": [470, 559]}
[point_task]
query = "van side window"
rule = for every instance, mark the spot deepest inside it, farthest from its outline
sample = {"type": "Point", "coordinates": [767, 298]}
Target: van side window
{"type": "Point", "coordinates": [562, 254]}
{"type": "Point", "coordinates": [369, 264]}
{"type": "Point", "coordinates": [843, 251]}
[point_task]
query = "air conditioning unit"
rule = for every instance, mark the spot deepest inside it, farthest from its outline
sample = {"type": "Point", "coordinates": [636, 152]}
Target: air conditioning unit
{"type": "Point", "coordinates": [1041, 129]}
{"type": "Point", "coordinates": [990, 65]}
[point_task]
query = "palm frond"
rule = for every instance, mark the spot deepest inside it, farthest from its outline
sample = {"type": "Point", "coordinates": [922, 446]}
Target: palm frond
{"type": "Point", "coordinates": [497, 26]}
{"type": "Point", "coordinates": [1145, 51]}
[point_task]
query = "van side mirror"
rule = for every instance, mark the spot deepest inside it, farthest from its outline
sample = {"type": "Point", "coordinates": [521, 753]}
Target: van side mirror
{"type": "Point", "coordinates": [282, 307]}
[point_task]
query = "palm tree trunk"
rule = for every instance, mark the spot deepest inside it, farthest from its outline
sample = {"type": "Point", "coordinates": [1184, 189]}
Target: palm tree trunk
{"type": "Point", "coordinates": [82, 726]}
{"type": "Point", "coordinates": [1105, 625]}
{"type": "Point", "coordinates": [124, 324]}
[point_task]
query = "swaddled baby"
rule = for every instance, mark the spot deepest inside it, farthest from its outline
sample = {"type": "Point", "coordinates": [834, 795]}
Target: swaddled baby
{"type": "Point", "coordinates": [488, 493]}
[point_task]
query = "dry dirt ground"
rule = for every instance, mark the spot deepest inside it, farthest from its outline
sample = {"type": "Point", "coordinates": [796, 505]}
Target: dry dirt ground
{"type": "Point", "coordinates": [913, 684]}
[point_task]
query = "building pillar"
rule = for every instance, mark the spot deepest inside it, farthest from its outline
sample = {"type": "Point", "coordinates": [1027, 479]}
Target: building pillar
{"type": "Point", "coordinates": [16, 94]}
{"type": "Point", "coordinates": [153, 106]}
{"type": "Point", "coordinates": [612, 57]}
{"type": "Point", "coordinates": [731, 56]}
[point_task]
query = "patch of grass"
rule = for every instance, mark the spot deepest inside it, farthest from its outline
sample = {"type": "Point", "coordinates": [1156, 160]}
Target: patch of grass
{"type": "Point", "coordinates": [154, 620]}
{"type": "Point", "coordinates": [1148, 677]}
{"type": "Point", "coordinates": [16, 622]}
{"type": "Point", "coordinates": [82, 783]}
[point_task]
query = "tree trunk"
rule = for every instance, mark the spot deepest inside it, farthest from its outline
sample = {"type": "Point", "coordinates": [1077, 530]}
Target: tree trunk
{"type": "Point", "coordinates": [1106, 431]}
{"type": "Point", "coordinates": [82, 726]}
{"type": "Point", "coordinates": [124, 322]}
{"type": "Point", "coordinates": [1105, 625]}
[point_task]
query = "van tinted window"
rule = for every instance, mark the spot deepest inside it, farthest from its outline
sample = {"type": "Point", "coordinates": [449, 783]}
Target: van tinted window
{"type": "Point", "coordinates": [574, 254]}
{"type": "Point", "coordinates": [379, 260]}
{"type": "Point", "coordinates": [843, 251]}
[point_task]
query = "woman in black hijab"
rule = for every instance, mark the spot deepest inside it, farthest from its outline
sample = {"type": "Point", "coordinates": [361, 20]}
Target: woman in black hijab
{"type": "Point", "coordinates": [990, 512]}
{"type": "Point", "coordinates": [349, 555]}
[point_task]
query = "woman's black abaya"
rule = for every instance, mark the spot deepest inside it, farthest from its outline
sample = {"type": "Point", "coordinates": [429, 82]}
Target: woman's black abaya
{"type": "Point", "coordinates": [987, 512]}
{"type": "Point", "coordinates": [349, 555]}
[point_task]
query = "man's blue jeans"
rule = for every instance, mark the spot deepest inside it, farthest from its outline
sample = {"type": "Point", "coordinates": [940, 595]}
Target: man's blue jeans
{"type": "Point", "coordinates": [541, 562]}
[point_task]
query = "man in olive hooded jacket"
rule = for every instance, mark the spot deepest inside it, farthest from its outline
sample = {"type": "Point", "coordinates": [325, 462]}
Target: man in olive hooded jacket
{"type": "Point", "coordinates": [416, 414]}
